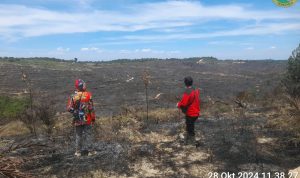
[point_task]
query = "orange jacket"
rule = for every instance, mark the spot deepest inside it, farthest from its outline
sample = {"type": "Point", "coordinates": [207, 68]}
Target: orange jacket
{"type": "Point", "coordinates": [80, 104]}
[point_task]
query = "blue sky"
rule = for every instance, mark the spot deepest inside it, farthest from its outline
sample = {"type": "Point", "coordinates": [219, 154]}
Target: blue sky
{"type": "Point", "coordinates": [105, 30]}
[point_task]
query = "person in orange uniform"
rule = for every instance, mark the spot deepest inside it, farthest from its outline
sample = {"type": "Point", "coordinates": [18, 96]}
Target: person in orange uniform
{"type": "Point", "coordinates": [190, 106]}
{"type": "Point", "coordinates": [80, 104]}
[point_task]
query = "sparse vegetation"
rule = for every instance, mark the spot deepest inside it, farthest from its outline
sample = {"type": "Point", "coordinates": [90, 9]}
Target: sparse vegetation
{"type": "Point", "coordinates": [45, 113]}
{"type": "Point", "coordinates": [291, 80]}
{"type": "Point", "coordinates": [232, 138]}
{"type": "Point", "coordinates": [146, 80]}
{"type": "Point", "coordinates": [287, 117]}
{"type": "Point", "coordinates": [29, 120]}
{"type": "Point", "coordinates": [11, 107]}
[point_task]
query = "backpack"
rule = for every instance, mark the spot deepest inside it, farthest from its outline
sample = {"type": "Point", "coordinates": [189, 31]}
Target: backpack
{"type": "Point", "coordinates": [79, 113]}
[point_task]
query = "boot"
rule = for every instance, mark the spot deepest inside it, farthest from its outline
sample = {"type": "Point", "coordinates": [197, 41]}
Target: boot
{"type": "Point", "coordinates": [92, 153]}
{"type": "Point", "coordinates": [77, 153]}
{"type": "Point", "coordinates": [190, 140]}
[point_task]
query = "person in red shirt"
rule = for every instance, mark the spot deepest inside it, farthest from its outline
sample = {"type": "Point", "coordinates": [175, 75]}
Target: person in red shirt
{"type": "Point", "coordinates": [80, 104]}
{"type": "Point", "coordinates": [190, 106]}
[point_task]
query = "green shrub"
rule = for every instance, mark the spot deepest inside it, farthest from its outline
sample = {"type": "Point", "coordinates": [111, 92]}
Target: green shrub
{"type": "Point", "coordinates": [10, 107]}
{"type": "Point", "coordinates": [291, 80]}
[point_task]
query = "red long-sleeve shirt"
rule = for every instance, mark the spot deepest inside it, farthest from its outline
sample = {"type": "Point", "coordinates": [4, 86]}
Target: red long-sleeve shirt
{"type": "Point", "coordinates": [191, 100]}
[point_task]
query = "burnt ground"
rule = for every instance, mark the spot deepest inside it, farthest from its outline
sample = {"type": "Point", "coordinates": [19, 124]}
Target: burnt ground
{"type": "Point", "coordinates": [116, 84]}
{"type": "Point", "coordinates": [128, 145]}
{"type": "Point", "coordinates": [151, 149]}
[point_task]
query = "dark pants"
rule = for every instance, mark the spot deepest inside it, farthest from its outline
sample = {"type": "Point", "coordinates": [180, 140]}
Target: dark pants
{"type": "Point", "coordinates": [83, 137]}
{"type": "Point", "coordinates": [190, 125]}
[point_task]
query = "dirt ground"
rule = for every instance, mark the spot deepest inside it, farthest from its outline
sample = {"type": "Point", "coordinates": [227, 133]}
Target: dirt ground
{"type": "Point", "coordinates": [147, 148]}
{"type": "Point", "coordinates": [116, 84]}
{"type": "Point", "coordinates": [229, 139]}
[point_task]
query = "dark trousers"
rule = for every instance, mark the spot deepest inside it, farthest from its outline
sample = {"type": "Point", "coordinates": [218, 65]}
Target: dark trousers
{"type": "Point", "coordinates": [83, 137]}
{"type": "Point", "coordinates": [190, 125]}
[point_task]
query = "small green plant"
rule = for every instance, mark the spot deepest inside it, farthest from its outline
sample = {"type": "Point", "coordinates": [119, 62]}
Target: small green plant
{"type": "Point", "coordinates": [11, 107]}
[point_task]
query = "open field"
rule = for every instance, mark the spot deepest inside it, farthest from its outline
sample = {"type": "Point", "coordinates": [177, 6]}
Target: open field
{"type": "Point", "coordinates": [119, 83]}
{"type": "Point", "coordinates": [229, 138]}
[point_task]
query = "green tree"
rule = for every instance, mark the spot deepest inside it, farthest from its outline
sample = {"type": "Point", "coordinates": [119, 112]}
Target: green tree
{"type": "Point", "coordinates": [291, 80]}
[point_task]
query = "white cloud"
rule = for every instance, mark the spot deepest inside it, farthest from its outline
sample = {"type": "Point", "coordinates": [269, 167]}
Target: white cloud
{"type": "Point", "coordinates": [250, 48]}
{"type": "Point", "coordinates": [94, 49]}
{"type": "Point", "coordinates": [146, 50]}
{"type": "Point", "coordinates": [174, 52]}
{"type": "Point", "coordinates": [221, 42]}
{"type": "Point", "coordinates": [84, 49]}
{"type": "Point", "coordinates": [124, 51]}
{"type": "Point", "coordinates": [273, 47]}
{"type": "Point", "coordinates": [62, 50]}
{"type": "Point", "coordinates": [22, 21]}
{"type": "Point", "coordinates": [266, 29]}
{"type": "Point", "coordinates": [85, 3]}
{"type": "Point", "coordinates": [246, 44]}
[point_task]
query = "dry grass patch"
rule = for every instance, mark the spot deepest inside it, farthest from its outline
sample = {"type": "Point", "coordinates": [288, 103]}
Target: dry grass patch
{"type": "Point", "coordinates": [160, 115]}
{"type": "Point", "coordinates": [13, 128]}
